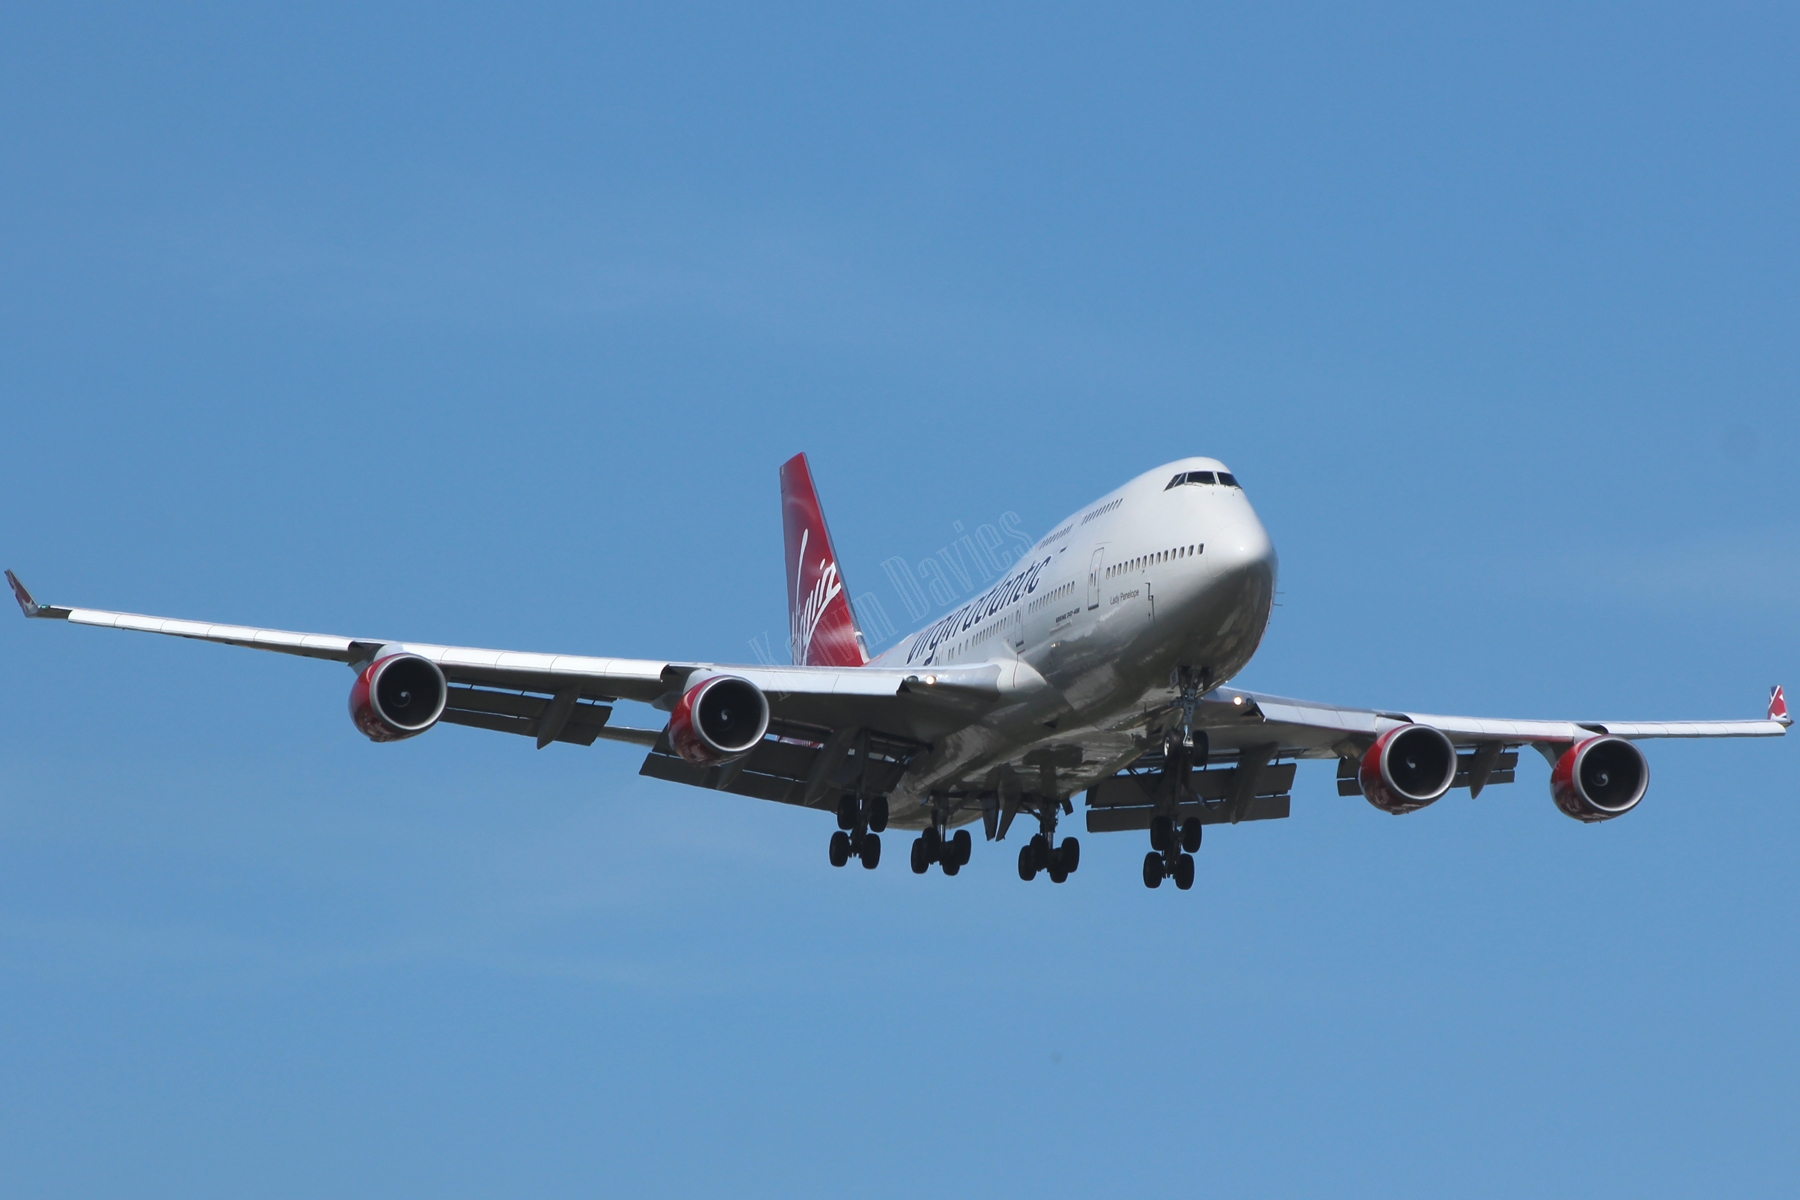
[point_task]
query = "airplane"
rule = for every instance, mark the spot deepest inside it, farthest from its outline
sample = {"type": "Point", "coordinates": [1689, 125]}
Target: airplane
{"type": "Point", "coordinates": [1099, 663]}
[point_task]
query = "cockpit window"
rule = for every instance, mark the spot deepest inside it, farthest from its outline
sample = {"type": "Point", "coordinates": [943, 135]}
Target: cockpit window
{"type": "Point", "coordinates": [1228, 480]}
{"type": "Point", "coordinates": [1194, 477]}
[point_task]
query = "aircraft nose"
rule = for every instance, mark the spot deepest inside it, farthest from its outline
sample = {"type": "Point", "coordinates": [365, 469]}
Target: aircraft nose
{"type": "Point", "coordinates": [1242, 546]}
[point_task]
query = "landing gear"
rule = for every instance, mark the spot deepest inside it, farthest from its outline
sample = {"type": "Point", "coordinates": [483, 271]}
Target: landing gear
{"type": "Point", "coordinates": [1058, 862]}
{"type": "Point", "coordinates": [859, 823]}
{"type": "Point", "coordinates": [1042, 853]}
{"type": "Point", "coordinates": [1176, 866]}
{"type": "Point", "coordinates": [1184, 872]}
{"type": "Point", "coordinates": [951, 853]}
{"type": "Point", "coordinates": [1172, 846]}
{"type": "Point", "coordinates": [846, 846]}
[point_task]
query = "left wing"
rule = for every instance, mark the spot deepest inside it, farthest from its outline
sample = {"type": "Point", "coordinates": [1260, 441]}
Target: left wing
{"type": "Point", "coordinates": [527, 693]}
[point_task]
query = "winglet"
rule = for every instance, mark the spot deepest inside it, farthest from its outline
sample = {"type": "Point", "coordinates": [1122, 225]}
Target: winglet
{"type": "Point", "coordinates": [27, 605]}
{"type": "Point", "coordinates": [1778, 706]}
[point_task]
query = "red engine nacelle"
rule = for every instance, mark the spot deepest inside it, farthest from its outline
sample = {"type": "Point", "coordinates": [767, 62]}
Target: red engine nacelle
{"type": "Point", "coordinates": [718, 719]}
{"type": "Point", "coordinates": [1407, 768]}
{"type": "Point", "coordinates": [1599, 779]}
{"type": "Point", "coordinates": [397, 697]}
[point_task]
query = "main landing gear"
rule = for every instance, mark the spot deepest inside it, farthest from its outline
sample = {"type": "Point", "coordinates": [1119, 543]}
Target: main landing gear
{"type": "Point", "coordinates": [938, 845]}
{"type": "Point", "coordinates": [1172, 852]}
{"type": "Point", "coordinates": [951, 853]}
{"type": "Point", "coordinates": [1042, 853]}
{"type": "Point", "coordinates": [858, 835]}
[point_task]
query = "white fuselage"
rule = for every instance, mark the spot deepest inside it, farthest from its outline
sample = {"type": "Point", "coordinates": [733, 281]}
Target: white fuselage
{"type": "Point", "coordinates": [1092, 624]}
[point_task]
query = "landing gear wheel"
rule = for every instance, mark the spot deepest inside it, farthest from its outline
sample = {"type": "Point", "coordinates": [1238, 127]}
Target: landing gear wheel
{"type": "Point", "coordinates": [846, 813]}
{"type": "Point", "coordinates": [870, 852]}
{"type": "Point", "coordinates": [840, 848]}
{"type": "Point", "coordinates": [934, 845]}
{"type": "Point", "coordinates": [1028, 868]}
{"type": "Point", "coordinates": [950, 868]}
{"type": "Point", "coordinates": [1039, 846]}
{"type": "Point", "coordinates": [1184, 872]}
{"type": "Point", "coordinates": [1153, 870]}
{"type": "Point", "coordinates": [1057, 873]}
{"type": "Point", "coordinates": [1071, 854]}
{"type": "Point", "coordinates": [1190, 834]}
{"type": "Point", "coordinates": [878, 814]}
{"type": "Point", "coordinates": [921, 862]}
{"type": "Point", "coordinates": [963, 845]}
{"type": "Point", "coordinates": [1160, 833]}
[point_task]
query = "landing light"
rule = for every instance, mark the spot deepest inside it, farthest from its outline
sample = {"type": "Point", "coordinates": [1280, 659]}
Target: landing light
{"type": "Point", "coordinates": [1237, 699]}
{"type": "Point", "coordinates": [931, 679]}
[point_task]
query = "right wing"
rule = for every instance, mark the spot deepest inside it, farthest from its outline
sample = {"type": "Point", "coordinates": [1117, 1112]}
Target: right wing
{"type": "Point", "coordinates": [1250, 734]}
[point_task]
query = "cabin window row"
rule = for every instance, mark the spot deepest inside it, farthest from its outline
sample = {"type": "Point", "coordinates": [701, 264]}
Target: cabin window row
{"type": "Point", "coordinates": [1052, 596]}
{"type": "Point", "coordinates": [1161, 556]}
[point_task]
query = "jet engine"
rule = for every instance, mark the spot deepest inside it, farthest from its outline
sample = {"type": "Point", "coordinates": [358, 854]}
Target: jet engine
{"type": "Point", "coordinates": [718, 719]}
{"type": "Point", "coordinates": [397, 697]}
{"type": "Point", "coordinates": [1599, 779]}
{"type": "Point", "coordinates": [1407, 768]}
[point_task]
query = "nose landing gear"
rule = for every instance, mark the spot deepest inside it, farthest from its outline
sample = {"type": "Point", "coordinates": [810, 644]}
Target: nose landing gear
{"type": "Point", "coordinates": [1171, 846]}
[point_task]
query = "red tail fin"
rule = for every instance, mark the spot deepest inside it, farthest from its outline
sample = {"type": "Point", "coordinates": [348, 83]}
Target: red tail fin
{"type": "Point", "coordinates": [1778, 706]}
{"type": "Point", "coordinates": [822, 630]}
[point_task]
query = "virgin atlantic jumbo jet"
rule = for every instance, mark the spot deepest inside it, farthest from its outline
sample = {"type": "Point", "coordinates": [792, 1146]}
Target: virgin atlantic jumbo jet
{"type": "Point", "coordinates": [1096, 665]}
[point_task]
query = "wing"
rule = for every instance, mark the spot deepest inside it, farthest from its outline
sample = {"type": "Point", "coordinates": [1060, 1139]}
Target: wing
{"type": "Point", "coordinates": [820, 716]}
{"type": "Point", "coordinates": [1249, 734]}
{"type": "Point", "coordinates": [1312, 727]}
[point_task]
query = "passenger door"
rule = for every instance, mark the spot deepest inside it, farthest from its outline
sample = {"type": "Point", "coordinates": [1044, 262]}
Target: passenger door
{"type": "Point", "coordinates": [1096, 569]}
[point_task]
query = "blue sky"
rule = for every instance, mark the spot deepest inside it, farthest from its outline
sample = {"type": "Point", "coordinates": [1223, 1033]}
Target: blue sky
{"type": "Point", "coordinates": [492, 326]}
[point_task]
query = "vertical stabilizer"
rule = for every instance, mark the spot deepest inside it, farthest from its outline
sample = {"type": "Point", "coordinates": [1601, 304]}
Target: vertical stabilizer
{"type": "Point", "coordinates": [822, 631]}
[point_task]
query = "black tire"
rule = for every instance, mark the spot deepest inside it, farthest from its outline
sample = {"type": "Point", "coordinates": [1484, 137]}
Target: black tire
{"type": "Point", "coordinates": [1040, 851]}
{"type": "Point", "coordinates": [964, 845]}
{"type": "Point", "coordinates": [1153, 870]}
{"type": "Point", "coordinates": [921, 861]}
{"type": "Point", "coordinates": [878, 814]}
{"type": "Point", "coordinates": [1160, 833]}
{"type": "Point", "coordinates": [1190, 834]}
{"type": "Point", "coordinates": [1057, 874]}
{"type": "Point", "coordinates": [846, 813]}
{"type": "Point", "coordinates": [870, 852]}
{"type": "Point", "coordinates": [934, 845]}
{"type": "Point", "coordinates": [840, 848]}
{"type": "Point", "coordinates": [1184, 872]}
{"type": "Point", "coordinates": [1027, 863]}
{"type": "Point", "coordinates": [1071, 854]}
{"type": "Point", "coordinates": [950, 868]}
